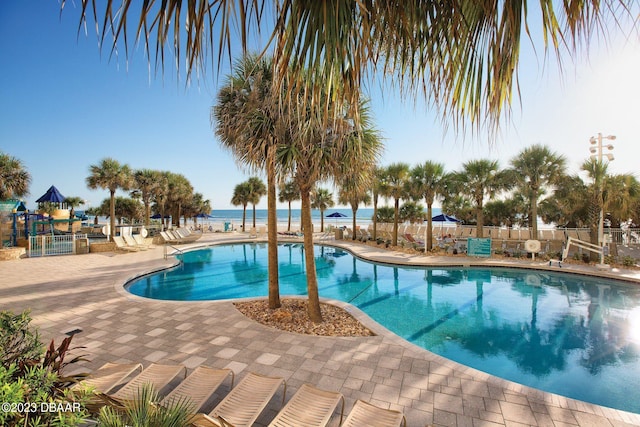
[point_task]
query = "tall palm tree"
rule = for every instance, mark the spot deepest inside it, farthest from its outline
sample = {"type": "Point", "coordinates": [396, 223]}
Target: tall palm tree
{"type": "Point", "coordinates": [161, 195]}
{"type": "Point", "coordinates": [461, 55]}
{"type": "Point", "coordinates": [427, 181]}
{"type": "Point", "coordinates": [146, 182]}
{"type": "Point", "coordinates": [322, 199]}
{"type": "Point", "coordinates": [322, 148]}
{"type": "Point", "coordinates": [242, 197]}
{"type": "Point", "coordinates": [196, 206]}
{"type": "Point", "coordinates": [350, 194]}
{"type": "Point", "coordinates": [479, 179]}
{"type": "Point", "coordinates": [377, 188]}
{"type": "Point", "coordinates": [247, 123]}
{"type": "Point", "coordinates": [396, 178]}
{"type": "Point", "coordinates": [257, 189]}
{"type": "Point", "coordinates": [535, 170]}
{"type": "Point", "coordinates": [288, 192]}
{"type": "Point", "coordinates": [109, 174]}
{"type": "Point", "coordinates": [179, 195]}
{"type": "Point", "coordinates": [14, 178]}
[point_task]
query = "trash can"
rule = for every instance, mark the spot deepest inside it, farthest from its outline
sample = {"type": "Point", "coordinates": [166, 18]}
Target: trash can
{"type": "Point", "coordinates": [82, 246]}
{"type": "Point", "coordinates": [339, 234]}
{"type": "Point", "coordinates": [227, 226]}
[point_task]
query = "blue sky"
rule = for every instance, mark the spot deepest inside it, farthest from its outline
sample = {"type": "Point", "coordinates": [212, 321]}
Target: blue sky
{"type": "Point", "coordinates": [64, 106]}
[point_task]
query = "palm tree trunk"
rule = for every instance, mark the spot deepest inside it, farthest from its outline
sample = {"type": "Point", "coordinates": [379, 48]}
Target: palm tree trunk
{"type": "Point", "coordinates": [313, 305]}
{"type": "Point", "coordinates": [396, 218]}
{"type": "Point", "coordinates": [272, 234]}
{"type": "Point", "coordinates": [244, 217]}
{"type": "Point", "coordinates": [534, 217]}
{"type": "Point", "coordinates": [147, 214]}
{"type": "Point", "coordinates": [321, 221]}
{"type": "Point", "coordinates": [479, 220]}
{"type": "Point", "coordinates": [112, 214]}
{"type": "Point", "coordinates": [375, 217]}
{"type": "Point", "coordinates": [289, 220]}
{"type": "Point", "coordinates": [353, 212]}
{"type": "Point", "coordinates": [254, 215]}
{"type": "Point", "coordinates": [429, 226]}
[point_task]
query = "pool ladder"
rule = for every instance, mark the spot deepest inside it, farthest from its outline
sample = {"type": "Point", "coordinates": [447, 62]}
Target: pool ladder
{"type": "Point", "coordinates": [166, 255]}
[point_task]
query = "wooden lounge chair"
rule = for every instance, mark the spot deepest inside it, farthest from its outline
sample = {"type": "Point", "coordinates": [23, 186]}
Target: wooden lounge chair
{"type": "Point", "coordinates": [198, 387]}
{"type": "Point", "coordinates": [159, 376]}
{"type": "Point", "coordinates": [309, 407]}
{"type": "Point", "coordinates": [244, 403]}
{"type": "Point", "coordinates": [109, 376]}
{"type": "Point", "coordinates": [366, 414]}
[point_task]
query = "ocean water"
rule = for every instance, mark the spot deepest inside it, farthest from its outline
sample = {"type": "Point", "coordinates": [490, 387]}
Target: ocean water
{"type": "Point", "coordinates": [363, 215]}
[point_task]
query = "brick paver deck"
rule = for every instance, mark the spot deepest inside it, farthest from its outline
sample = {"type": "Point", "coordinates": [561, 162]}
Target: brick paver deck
{"type": "Point", "coordinates": [86, 292]}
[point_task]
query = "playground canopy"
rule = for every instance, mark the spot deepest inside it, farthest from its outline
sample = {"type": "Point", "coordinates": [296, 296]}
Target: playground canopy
{"type": "Point", "coordinates": [52, 196]}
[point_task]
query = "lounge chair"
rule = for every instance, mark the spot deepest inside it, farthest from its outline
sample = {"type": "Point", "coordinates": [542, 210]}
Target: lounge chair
{"type": "Point", "coordinates": [244, 403]}
{"type": "Point", "coordinates": [108, 376]}
{"type": "Point", "coordinates": [141, 241]}
{"type": "Point", "coordinates": [199, 386]}
{"type": "Point", "coordinates": [366, 414]}
{"type": "Point", "coordinates": [130, 241]}
{"type": "Point", "coordinates": [121, 245]}
{"type": "Point", "coordinates": [168, 238]}
{"type": "Point", "coordinates": [309, 407]}
{"type": "Point", "coordinates": [415, 243]}
{"type": "Point", "coordinates": [160, 376]}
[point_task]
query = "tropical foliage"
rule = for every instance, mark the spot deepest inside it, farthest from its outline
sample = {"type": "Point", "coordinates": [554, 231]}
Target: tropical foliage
{"type": "Point", "coordinates": [322, 199]}
{"type": "Point", "coordinates": [461, 55]}
{"type": "Point", "coordinates": [14, 178]}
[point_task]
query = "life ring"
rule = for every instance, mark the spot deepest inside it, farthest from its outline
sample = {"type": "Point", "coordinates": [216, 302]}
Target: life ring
{"type": "Point", "coordinates": [532, 246]}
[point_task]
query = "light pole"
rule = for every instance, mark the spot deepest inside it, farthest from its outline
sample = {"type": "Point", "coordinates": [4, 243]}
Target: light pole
{"type": "Point", "coordinates": [597, 154]}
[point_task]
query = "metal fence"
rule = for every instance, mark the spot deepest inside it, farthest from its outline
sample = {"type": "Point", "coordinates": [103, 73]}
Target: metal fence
{"type": "Point", "coordinates": [51, 244]}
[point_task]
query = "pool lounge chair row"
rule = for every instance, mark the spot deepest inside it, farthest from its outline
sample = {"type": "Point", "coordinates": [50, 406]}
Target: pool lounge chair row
{"type": "Point", "coordinates": [244, 403]}
{"type": "Point", "coordinates": [131, 243]}
{"type": "Point", "coordinates": [180, 235]}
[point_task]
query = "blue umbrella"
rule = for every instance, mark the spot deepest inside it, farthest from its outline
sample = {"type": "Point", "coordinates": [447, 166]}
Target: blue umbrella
{"type": "Point", "coordinates": [444, 218]}
{"type": "Point", "coordinates": [336, 215]}
{"type": "Point", "coordinates": [203, 215]}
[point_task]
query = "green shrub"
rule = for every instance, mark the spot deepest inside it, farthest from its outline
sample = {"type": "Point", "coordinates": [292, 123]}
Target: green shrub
{"type": "Point", "coordinates": [31, 376]}
{"type": "Point", "coordinates": [628, 261]}
{"type": "Point", "coordinates": [609, 259]}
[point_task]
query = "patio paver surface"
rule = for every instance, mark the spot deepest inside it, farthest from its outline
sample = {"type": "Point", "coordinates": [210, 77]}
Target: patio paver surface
{"type": "Point", "coordinates": [86, 292]}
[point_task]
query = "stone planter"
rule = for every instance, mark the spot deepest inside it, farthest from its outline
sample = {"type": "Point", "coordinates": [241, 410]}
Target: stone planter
{"type": "Point", "coordinates": [102, 247]}
{"type": "Point", "coordinates": [11, 253]}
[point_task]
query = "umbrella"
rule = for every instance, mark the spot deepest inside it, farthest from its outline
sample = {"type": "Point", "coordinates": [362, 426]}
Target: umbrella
{"type": "Point", "coordinates": [52, 195]}
{"type": "Point", "coordinates": [336, 215]}
{"type": "Point", "coordinates": [444, 218]}
{"type": "Point", "coordinates": [203, 215]}
{"type": "Point", "coordinates": [158, 216]}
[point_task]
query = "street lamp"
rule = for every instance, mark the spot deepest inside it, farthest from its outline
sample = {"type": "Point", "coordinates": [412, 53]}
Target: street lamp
{"type": "Point", "coordinates": [596, 151]}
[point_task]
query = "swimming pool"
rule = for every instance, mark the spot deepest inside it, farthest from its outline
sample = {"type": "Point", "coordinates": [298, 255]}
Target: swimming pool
{"type": "Point", "coordinates": [572, 335]}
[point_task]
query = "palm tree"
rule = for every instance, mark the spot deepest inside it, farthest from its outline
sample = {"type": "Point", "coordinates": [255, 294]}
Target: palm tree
{"type": "Point", "coordinates": [180, 194]}
{"type": "Point", "coordinates": [197, 205]}
{"type": "Point", "coordinates": [353, 196]}
{"type": "Point", "coordinates": [14, 178]}
{"type": "Point", "coordinates": [322, 199]}
{"type": "Point", "coordinates": [288, 192]}
{"type": "Point", "coordinates": [146, 181]}
{"type": "Point", "coordinates": [321, 148]}
{"type": "Point", "coordinates": [242, 197]}
{"type": "Point", "coordinates": [534, 170]}
{"type": "Point", "coordinates": [110, 174]}
{"type": "Point", "coordinates": [479, 179]}
{"type": "Point", "coordinates": [427, 180]}
{"type": "Point", "coordinates": [396, 178]}
{"type": "Point", "coordinates": [247, 123]}
{"type": "Point", "coordinates": [257, 189]}
{"type": "Point", "coordinates": [161, 195]}
{"type": "Point", "coordinates": [460, 55]}
{"type": "Point", "coordinates": [377, 188]}
{"type": "Point", "coordinates": [72, 202]}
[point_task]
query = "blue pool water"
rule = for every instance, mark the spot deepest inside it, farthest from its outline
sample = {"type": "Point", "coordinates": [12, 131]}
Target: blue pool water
{"type": "Point", "coordinates": [571, 335]}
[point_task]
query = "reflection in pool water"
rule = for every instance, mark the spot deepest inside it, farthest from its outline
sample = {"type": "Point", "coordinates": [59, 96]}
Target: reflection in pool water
{"type": "Point", "coordinates": [567, 334]}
